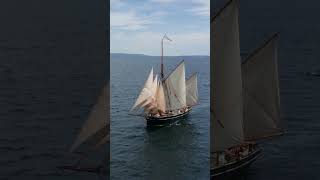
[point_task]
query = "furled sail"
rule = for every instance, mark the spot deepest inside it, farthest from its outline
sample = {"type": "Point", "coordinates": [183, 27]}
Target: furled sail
{"type": "Point", "coordinates": [175, 88]}
{"type": "Point", "coordinates": [95, 128]}
{"type": "Point", "coordinates": [146, 92]}
{"type": "Point", "coordinates": [226, 93]}
{"type": "Point", "coordinates": [192, 90]}
{"type": "Point", "coordinates": [261, 92]}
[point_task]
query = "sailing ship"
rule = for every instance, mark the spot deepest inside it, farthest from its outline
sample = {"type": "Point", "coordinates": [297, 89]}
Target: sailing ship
{"type": "Point", "coordinates": [165, 100]}
{"type": "Point", "coordinates": [92, 136]}
{"type": "Point", "coordinates": [245, 100]}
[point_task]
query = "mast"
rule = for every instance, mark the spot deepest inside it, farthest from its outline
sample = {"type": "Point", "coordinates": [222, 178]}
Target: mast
{"type": "Point", "coordinates": [162, 59]}
{"type": "Point", "coordinates": [164, 37]}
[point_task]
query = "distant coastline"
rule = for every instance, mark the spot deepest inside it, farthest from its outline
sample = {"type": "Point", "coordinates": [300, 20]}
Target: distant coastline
{"type": "Point", "coordinates": [139, 55]}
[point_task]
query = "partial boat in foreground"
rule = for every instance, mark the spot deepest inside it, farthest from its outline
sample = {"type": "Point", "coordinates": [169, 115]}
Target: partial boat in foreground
{"type": "Point", "coordinates": [89, 143]}
{"type": "Point", "coordinates": [229, 165]}
{"type": "Point", "coordinates": [245, 100]}
{"type": "Point", "coordinates": [166, 100]}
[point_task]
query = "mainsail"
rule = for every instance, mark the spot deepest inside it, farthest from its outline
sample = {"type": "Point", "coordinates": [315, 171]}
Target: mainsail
{"type": "Point", "coordinates": [192, 90]}
{"type": "Point", "coordinates": [175, 88]}
{"type": "Point", "coordinates": [96, 127]}
{"type": "Point", "coordinates": [226, 93]}
{"type": "Point", "coordinates": [161, 102]}
{"type": "Point", "coordinates": [261, 92]}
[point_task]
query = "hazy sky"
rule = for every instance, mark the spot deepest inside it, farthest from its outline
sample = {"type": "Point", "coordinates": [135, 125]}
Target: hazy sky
{"type": "Point", "coordinates": [137, 26]}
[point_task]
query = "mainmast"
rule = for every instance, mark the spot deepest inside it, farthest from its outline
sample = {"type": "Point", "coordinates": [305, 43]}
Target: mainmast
{"type": "Point", "coordinates": [164, 37]}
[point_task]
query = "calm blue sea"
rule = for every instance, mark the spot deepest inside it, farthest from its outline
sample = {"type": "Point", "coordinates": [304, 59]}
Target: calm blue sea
{"type": "Point", "coordinates": [179, 151]}
{"type": "Point", "coordinates": [52, 68]}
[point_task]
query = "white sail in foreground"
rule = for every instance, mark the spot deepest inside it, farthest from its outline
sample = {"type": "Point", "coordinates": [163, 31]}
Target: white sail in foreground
{"type": "Point", "coordinates": [226, 94]}
{"type": "Point", "coordinates": [175, 88]}
{"type": "Point", "coordinates": [96, 125]}
{"type": "Point", "coordinates": [192, 90]}
{"type": "Point", "coordinates": [261, 92]}
{"type": "Point", "coordinates": [146, 92]}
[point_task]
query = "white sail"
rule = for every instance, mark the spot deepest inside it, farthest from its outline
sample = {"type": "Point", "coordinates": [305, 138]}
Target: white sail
{"type": "Point", "coordinates": [261, 92]}
{"type": "Point", "coordinates": [155, 85]}
{"type": "Point", "coordinates": [175, 88]}
{"type": "Point", "coordinates": [146, 92]}
{"type": "Point", "coordinates": [150, 107]}
{"type": "Point", "coordinates": [226, 91]}
{"type": "Point", "coordinates": [96, 124]}
{"type": "Point", "coordinates": [161, 102]}
{"type": "Point", "coordinates": [192, 90]}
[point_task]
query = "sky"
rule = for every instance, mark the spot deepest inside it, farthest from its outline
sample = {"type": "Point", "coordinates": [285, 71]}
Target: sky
{"type": "Point", "coordinates": [137, 27]}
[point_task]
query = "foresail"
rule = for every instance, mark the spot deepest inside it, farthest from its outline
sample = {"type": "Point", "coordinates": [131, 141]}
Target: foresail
{"type": "Point", "coordinates": [175, 88]}
{"type": "Point", "coordinates": [261, 92]}
{"type": "Point", "coordinates": [226, 91]}
{"type": "Point", "coordinates": [96, 124]}
{"type": "Point", "coordinates": [146, 92]}
{"type": "Point", "coordinates": [155, 85]}
{"type": "Point", "coordinates": [192, 90]}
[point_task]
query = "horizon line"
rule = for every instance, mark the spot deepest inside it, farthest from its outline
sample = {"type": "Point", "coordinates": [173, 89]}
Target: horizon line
{"type": "Point", "coordinates": [152, 55]}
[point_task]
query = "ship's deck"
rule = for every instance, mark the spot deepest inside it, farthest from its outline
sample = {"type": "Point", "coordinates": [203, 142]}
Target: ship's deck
{"type": "Point", "coordinates": [225, 164]}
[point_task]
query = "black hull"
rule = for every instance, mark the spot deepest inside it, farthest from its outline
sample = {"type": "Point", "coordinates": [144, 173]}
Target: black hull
{"type": "Point", "coordinates": [163, 121]}
{"type": "Point", "coordinates": [234, 169]}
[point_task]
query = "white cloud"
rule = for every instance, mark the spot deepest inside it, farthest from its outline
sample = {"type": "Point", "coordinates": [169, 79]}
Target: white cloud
{"type": "Point", "coordinates": [116, 4]}
{"type": "Point", "coordinates": [162, 1]}
{"type": "Point", "coordinates": [201, 8]}
{"type": "Point", "coordinates": [132, 28]}
{"type": "Point", "coordinates": [129, 20]}
{"type": "Point", "coordinates": [194, 43]}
